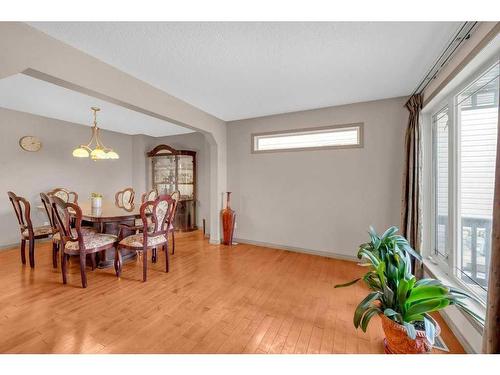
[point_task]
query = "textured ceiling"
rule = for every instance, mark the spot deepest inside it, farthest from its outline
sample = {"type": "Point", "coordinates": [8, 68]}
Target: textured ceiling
{"type": "Point", "coordinates": [240, 70]}
{"type": "Point", "coordinates": [27, 94]}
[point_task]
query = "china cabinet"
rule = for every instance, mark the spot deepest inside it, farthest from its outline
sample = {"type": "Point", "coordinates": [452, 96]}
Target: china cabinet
{"type": "Point", "coordinates": [173, 170]}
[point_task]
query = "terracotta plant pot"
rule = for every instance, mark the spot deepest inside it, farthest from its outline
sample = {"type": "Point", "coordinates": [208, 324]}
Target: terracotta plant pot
{"type": "Point", "coordinates": [397, 341]}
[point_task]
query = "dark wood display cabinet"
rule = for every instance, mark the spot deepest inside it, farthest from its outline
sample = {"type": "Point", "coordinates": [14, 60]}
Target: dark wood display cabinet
{"type": "Point", "coordinates": [173, 170]}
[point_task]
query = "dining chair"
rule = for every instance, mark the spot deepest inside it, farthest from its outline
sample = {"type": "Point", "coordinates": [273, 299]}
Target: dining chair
{"type": "Point", "coordinates": [56, 238]}
{"type": "Point", "coordinates": [64, 194]}
{"type": "Point", "coordinates": [161, 215]}
{"type": "Point", "coordinates": [124, 197]}
{"type": "Point", "coordinates": [73, 241]}
{"type": "Point", "coordinates": [150, 195]}
{"type": "Point", "coordinates": [176, 195]}
{"type": "Point", "coordinates": [28, 231]}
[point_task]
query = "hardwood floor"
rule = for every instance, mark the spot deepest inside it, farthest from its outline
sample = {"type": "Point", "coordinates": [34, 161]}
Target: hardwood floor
{"type": "Point", "coordinates": [216, 299]}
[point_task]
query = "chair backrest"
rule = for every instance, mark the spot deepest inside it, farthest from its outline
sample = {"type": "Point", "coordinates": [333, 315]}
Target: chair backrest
{"type": "Point", "coordinates": [64, 194]}
{"type": "Point", "coordinates": [124, 197]}
{"type": "Point", "coordinates": [62, 219]}
{"type": "Point", "coordinates": [22, 210]}
{"type": "Point", "coordinates": [176, 195]}
{"type": "Point", "coordinates": [49, 210]}
{"type": "Point", "coordinates": [150, 195]}
{"type": "Point", "coordinates": [160, 211]}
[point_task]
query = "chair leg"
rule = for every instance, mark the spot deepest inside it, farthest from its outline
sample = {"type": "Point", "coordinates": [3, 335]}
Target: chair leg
{"type": "Point", "coordinates": [154, 255]}
{"type": "Point", "coordinates": [23, 251]}
{"type": "Point", "coordinates": [144, 265]}
{"type": "Point", "coordinates": [63, 266]}
{"type": "Point", "coordinates": [118, 262]}
{"type": "Point", "coordinates": [54, 254]}
{"type": "Point", "coordinates": [92, 261]}
{"type": "Point", "coordinates": [83, 263]}
{"type": "Point", "coordinates": [32, 252]}
{"type": "Point", "coordinates": [173, 242]}
{"type": "Point", "coordinates": [167, 263]}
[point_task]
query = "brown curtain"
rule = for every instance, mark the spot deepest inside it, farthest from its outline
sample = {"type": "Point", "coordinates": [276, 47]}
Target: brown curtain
{"type": "Point", "coordinates": [491, 337]}
{"type": "Point", "coordinates": [410, 205]}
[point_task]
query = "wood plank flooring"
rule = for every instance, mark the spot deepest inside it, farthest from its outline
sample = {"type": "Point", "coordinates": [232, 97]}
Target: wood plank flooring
{"type": "Point", "coordinates": [215, 299]}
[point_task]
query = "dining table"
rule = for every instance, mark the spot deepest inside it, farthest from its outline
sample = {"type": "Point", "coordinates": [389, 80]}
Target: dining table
{"type": "Point", "coordinates": [106, 219]}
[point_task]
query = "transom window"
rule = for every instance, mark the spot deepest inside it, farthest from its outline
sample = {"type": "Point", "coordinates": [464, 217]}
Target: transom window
{"type": "Point", "coordinates": [338, 136]}
{"type": "Point", "coordinates": [464, 154]}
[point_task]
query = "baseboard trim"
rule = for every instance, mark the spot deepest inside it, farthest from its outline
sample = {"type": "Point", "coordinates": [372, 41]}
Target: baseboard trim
{"type": "Point", "coordinates": [297, 249]}
{"type": "Point", "coordinates": [9, 246]}
{"type": "Point", "coordinates": [18, 244]}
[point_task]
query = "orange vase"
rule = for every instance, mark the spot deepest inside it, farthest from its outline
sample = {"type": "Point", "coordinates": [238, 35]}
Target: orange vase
{"type": "Point", "coordinates": [228, 216]}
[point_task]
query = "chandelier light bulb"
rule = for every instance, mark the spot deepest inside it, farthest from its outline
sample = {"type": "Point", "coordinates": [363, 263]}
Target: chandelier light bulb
{"type": "Point", "coordinates": [80, 152]}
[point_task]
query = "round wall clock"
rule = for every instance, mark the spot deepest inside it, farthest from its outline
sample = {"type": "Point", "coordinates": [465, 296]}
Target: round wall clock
{"type": "Point", "coordinates": [30, 143]}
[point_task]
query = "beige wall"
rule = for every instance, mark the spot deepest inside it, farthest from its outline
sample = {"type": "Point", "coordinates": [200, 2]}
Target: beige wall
{"type": "Point", "coordinates": [29, 173]}
{"type": "Point", "coordinates": [321, 201]}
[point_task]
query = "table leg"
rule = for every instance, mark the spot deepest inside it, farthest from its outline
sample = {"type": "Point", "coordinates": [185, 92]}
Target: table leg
{"type": "Point", "coordinates": [107, 257]}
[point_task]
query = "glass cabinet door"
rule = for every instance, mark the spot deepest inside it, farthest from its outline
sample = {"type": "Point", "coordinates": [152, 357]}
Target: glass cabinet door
{"type": "Point", "coordinates": [174, 170]}
{"type": "Point", "coordinates": [164, 174]}
{"type": "Point", "coordinates": [185, 181]}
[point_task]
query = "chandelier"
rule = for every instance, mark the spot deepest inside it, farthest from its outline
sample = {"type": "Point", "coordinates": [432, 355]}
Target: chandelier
{"type": "Point", "coordinates": [100, 151]}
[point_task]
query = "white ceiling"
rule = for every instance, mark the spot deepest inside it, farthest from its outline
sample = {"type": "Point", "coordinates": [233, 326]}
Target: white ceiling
{"type": "Point", "coordinates": [241, 70]}
{"type": "Point", "coordinates": [23, 93]}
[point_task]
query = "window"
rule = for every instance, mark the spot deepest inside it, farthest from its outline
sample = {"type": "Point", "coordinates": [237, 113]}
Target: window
{"type": "Point", "coordinates": [440, 125]}
{"type": "Point", "coordinates": [339, 136]}
{"type": "Point", "coordinates": [464, 155]}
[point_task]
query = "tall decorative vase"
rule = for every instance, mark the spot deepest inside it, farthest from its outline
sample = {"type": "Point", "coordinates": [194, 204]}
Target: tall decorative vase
{"type": "Point", "coordinates": [228, 217]}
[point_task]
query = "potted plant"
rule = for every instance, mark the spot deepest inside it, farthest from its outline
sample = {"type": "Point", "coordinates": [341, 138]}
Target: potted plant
{"type": "Point", "coordinates": [96, 199]}
{"type": "Point", "coordinates": [402, 301]}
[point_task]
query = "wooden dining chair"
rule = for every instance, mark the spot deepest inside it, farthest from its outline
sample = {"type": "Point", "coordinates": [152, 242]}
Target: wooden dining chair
{"type": "Point", "coordinates": [176, 195]}
{"type": "Point", "coordinates": [64, 194]}
{"type": "Point", "coordinates": [50, 215]}
{"type": "Point", "coordinates": [73, 241]}
{"type": "Point", "coordinates": [125, 197]}
{"type": "Point", "coordinates": [161, 215]}
{"type": "Point", "coordinates": [150, 195]}
{"type": "Point", "coordinates": [28, 231]}
{"type": "Point", "coordinates": [56, 238]}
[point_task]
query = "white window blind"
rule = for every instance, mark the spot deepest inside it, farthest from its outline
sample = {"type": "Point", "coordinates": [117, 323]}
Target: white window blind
{"type": "Point", "coordinates": [477, 118]}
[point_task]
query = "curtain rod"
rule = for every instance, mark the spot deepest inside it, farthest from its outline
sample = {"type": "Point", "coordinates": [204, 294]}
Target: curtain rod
{"type": "Point", "coordinates": [461, 35]}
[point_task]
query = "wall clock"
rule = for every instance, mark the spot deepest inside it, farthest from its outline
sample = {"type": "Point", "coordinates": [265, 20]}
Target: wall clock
{"type": "Point", "coordinates": [30, 143]}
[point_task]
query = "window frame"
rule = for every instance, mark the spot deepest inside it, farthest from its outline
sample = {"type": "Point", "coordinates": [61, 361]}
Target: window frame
{"type": "Point", "coordinates": [449, 264]}
{"type": "Point", "coordinates": [358, 125]}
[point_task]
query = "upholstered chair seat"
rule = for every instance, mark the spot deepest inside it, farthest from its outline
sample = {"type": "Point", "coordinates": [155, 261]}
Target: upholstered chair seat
{"type": "Point", "coordinates": [137, 241]}
{"type": "Point", "coordinates": [42, 231]}
{"type": "Point", "coordinates": [91, 241]}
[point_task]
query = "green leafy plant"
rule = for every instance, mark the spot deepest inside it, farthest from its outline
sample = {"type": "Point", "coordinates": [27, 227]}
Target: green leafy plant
{"type": "Point", "coordinates": [395, 292]}
{"type": "Point", "coordinates": [96, 195]}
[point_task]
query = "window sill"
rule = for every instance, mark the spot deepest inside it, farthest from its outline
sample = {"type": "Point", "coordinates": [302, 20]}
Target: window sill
{"type": "Point", "coordinates": [438, 273]}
